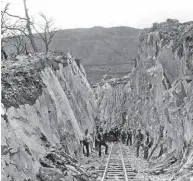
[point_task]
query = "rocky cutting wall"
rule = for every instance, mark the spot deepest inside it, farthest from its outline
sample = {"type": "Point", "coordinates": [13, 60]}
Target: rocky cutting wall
{"type": "Point", "coordinates": [46, 102]}
{"type": "Point", "coordinates": [158, 96]}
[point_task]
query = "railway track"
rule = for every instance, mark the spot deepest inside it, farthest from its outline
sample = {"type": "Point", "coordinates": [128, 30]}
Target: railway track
{"type": "Point", "coordinates": [118, 165]}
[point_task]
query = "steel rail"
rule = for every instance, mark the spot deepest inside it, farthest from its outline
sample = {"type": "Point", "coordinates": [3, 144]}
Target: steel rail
{"type": "Point", "coordinates": [106, 168]}
{"type": "Point", "coordinates": [125, 171]}
{"type": "Point", "coordinates": [108, 162]}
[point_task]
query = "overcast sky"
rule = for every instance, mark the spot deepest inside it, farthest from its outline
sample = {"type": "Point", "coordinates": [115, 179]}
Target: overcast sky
{"type": "Point", "coordinates": [108, 13]}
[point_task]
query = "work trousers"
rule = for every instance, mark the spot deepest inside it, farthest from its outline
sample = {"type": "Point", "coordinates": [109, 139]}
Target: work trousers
{"type": "Point", "coordinates": [138, 147]}
{"type": "Point", "coordinates": [106, 148]}
{"type": "Point", "coordinates": [146, 153]}
{"type": "Point", "coordinates": [129, 141]}
{"type": "Point", "coordinates": [86, 144]}
{"type": "Point", "coordinates": [96, 145]}
{"type": "Point", "coordinates": [123, 139]}
{"type": "Point", "coordinates": [137, 151]}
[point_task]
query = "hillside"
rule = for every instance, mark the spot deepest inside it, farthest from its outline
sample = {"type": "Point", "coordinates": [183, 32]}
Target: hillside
{"type": "Point", "coordinates": [104, 50]}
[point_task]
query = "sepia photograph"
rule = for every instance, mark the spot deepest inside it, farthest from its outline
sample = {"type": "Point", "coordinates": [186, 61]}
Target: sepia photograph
{"type": "Point", "coordinates": [96, 90]}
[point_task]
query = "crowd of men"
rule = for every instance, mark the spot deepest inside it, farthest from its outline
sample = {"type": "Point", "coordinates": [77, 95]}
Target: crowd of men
{"type": "Point", "coordinates": [130, 137]}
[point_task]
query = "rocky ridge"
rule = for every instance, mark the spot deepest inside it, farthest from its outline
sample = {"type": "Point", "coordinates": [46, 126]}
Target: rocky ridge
{"type": "Point", "coordinates": [47, 104]}
{"type": "Point", "coordinates": [158, 97]}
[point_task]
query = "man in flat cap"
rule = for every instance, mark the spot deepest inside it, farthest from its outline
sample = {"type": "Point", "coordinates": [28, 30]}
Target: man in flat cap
{"type": "Point", "coordinates": [139, 140]}
{"type": "Point", "coordinates": [148, 142]}
{"type": "Point", "coordinates": [101, 140]}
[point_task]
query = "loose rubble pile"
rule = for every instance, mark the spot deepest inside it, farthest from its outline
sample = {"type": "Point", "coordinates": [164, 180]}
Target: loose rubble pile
{"type": "Point", "coordinates": [158, 97]}
{"type": "Point", "coordinates": [58, 165]}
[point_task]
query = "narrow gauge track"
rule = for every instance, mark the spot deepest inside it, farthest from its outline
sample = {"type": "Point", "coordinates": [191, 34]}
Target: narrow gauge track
{"type": "Point", "coordinates": [118, 165]}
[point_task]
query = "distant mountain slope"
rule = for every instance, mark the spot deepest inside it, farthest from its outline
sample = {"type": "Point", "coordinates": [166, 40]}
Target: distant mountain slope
{"type": "Point", "coordinates": [98, 45]}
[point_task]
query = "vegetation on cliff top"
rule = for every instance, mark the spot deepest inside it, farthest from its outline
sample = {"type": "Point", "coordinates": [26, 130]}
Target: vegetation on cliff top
{"type": "Point", "coordinates": [21, 82]}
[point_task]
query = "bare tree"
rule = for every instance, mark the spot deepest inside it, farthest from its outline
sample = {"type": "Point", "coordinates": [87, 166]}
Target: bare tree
{"type": "Point", "coordinates": [19, 43]}
{"type": "Point", "coordinates": [28, 26]}
{"type": "Point", "coordinates": [13, 31]}
{"type": "Point", "coordinates": [16, 31]}
{"type": "Point", "coordinates": [3, 19]}
{"type": "Point", "coordinates": [46, 31]}
{"type": "Point", "coordinates": [5, 27]}
{"type": "Point", "coordinates": [11, 22]}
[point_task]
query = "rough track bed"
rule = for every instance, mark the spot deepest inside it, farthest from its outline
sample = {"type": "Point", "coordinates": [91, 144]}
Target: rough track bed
{"type": "Point", "coordinates": [118, 165]}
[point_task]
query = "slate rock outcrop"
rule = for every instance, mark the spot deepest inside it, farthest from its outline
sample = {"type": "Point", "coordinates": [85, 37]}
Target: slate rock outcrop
{"type": "Point", "coordinates": [157, 96]}
{"type": "Point", "coordinates": [46, 101]}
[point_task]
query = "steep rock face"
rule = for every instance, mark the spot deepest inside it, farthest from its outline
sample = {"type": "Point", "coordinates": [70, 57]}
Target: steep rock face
{"type": "Point", "coordinates": [165, 80]}
{"type": "Point", "coordinates": [46, 101]}
{"type": "Point", "coordinates": [159, 95]}
{"type": "Point", "coordinates": [111, 96]}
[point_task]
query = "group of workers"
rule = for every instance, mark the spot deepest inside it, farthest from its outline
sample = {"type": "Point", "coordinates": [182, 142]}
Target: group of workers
{"type": "Point", "coordinates": [129, 137]}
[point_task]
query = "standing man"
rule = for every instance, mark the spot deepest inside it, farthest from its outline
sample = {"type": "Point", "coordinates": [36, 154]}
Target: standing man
{"type": "Point", "coordinates": [86, 142]}
{"type": "Point", "coordinates": [96, 142]}
{"type": "Point", "coordinates": [101, 141]}
{"type": "Point", "coordinates": [129, 137]}
{"type": "Point", "coordinates": [106, 136]}
{"type": "Point", "coordinates": [112, 135]}
{"type": "Point", "coordinates": [92, 141]}
{"type": "Point", "coordinates": [134, 134]}
{"type": "Point", "coordinates": [123, 136]}
{"type": "Point", "coordinates": [147, 145]}
{"type": "Point", "coordinates": [116, 134]}
{"type": "Point", "coordinates": [139, 140]}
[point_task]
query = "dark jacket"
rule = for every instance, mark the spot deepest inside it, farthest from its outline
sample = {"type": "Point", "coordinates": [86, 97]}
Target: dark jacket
{"type": "Point", "coordinates": [129, 134]}
{"type": "Point", "coordinates": [106, 136]}
{"type": "Point", "coordinates": [139, 138]}
{"type": "Point", "coordinates": [100, 137]}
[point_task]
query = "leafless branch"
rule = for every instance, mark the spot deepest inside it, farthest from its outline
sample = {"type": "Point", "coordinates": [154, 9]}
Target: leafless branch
{"type": "Point", "coordinates": [13, 31]}
{"type": "Point", "coordinates": [15, 16]}
{"type": "Point", "coordinates": [45, 31]}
